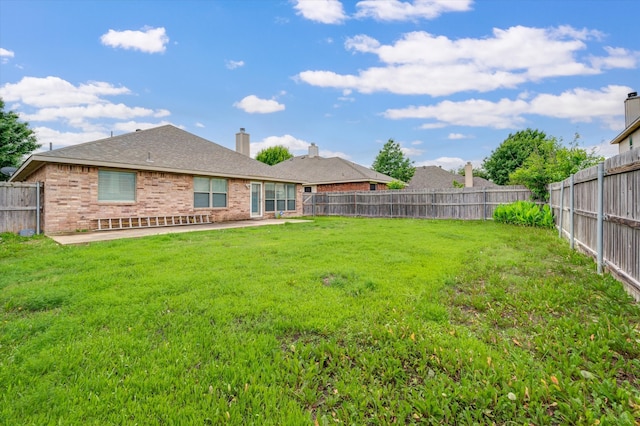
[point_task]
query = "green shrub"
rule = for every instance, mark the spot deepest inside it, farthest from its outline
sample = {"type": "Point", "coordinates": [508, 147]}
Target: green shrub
{"type": "Point", "coordinates": [524, 213]}
{"type": "Point", "coordinates": [396, 184]}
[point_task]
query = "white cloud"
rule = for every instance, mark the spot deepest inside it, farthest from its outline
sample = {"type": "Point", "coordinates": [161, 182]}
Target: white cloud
{"type": "Point", "coordinates": [577, 105]}
{"type": "Point", "coordinates": [618, 57]}
{"type": "Point", "coordinates": [200, 125]}
{"type": "Point", "coordinates": [106, 110]}
{"type": "Point", "coordinates": [82, 106]}
{"type": "Point", "coordinates": [421, 63]}
{"type": "Point", "coordinates": [323, 11]}
{"type": "Point", "coordinates": [447, 163]}
{"type": "Point", "coordinates": [5, 55]}
{"type": "Point", "coordinates": [60, 139]}
{"type": "Point", "coordinates": [605, 149]}
{"type": "Point", "coordinates": [132, 126]}
{"type": "Point", "coordinates": [396, 10]}
{"type": "Point", "coordinates": [412, 152]}
{"type": "Point", "coordinates": [254, 105]}
{"type": "Point", "coordinates": [474, 112]}
{"type": "Point", "coordinates": [55, 92]}
{"type": "Point", "coordinates": [232, 65]}
{"type": "Point", "coordinates": [296, 146]}
{"type": "Point", "coordinates": [457, 136]}
{"type": "Point", "coordinates": [148, 40]}
{"type": "Point", "coordinates": [582, 105]}
{"type": "Point", "coordinates": [328, 154]}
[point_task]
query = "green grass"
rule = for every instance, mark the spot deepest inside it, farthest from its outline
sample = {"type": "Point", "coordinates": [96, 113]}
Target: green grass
{"type": "Point", "coordinates": [352, 321]}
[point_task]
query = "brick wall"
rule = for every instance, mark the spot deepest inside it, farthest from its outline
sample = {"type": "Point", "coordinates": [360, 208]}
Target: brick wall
{"type": "Point", "coordinates": [351, 186]}
{"type": "Point", "coordinates": [71, 198]}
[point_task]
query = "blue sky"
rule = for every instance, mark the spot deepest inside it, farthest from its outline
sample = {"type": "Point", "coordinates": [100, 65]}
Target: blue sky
{"type": "Point", "coordinates": [447, 79]}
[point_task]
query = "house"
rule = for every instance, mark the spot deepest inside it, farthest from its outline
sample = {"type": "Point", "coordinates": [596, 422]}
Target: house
{"type": "Point", "coordinates": [630, 136]}
{"type": "Point", "coordinates": [434, 177]}
{"type": "Point", "coordinates": [333, 174]}
{"type": "Point", "coordinates": [163, 175]}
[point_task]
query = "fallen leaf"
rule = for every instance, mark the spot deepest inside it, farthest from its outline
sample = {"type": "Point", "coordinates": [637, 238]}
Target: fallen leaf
{"type": "Point", "coordinates": [413, 337]}
{"type": "Point", "coordinates": [592, 337]}
{"type": "Point", "coordinates": [516, 342]}
{"type": "Point", "coordinates": [512, 396]}
{"type": "Point", "coordinates": [489, 361]}
{"type": "Point", "coordinates": [554, 379]}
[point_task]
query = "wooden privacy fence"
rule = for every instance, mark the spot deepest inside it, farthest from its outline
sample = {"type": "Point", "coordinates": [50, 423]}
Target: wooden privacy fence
{"type": "Point", "coordinates": [598, 209]}
{"type": "Point", "coordinates": [20, 206]}
{"type": "Point", "coordinates": [467, 203]}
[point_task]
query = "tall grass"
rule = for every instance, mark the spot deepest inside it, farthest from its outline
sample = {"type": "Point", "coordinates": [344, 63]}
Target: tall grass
{"type": "Point", "coordinates": [353, 321]}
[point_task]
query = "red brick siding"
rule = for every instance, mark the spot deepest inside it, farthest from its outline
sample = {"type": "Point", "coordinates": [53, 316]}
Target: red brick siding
{"type": "Point", "coordinates": [351, 186]}
{"type": "Point", "coordinates": [71, 198]}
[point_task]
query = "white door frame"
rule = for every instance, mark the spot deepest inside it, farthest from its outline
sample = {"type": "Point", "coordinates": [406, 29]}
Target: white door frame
{"type": "Point", "coordinates": [259, 210]}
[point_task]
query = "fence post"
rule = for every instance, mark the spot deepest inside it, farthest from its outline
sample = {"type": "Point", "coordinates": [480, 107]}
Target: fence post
{"type": "Point", "coordinates": [571, 210]}
{"type": "Point", "coordinates": [37, 208]}
{"type": "Point", "coordinates": [561, 209]}
{"type": "Point", "coordinates": [600, 224]}
{"type": "Point", "coordinates": [484, 203]}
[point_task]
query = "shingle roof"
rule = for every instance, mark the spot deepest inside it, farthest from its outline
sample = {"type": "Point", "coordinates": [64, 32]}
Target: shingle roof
{"type": "Point", "coordinates": [164, 148]}
{"type": "Point", "coordinates": [434, 177]}
{"type": "Point", "coordinates": [318, 170]}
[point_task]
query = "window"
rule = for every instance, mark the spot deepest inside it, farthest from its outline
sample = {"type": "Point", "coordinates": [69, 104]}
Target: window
{"type": "Point", "coordinates": [209, 192]}
{"type": "Point", "coordinates": [116, 186]}
{"type": "Point", "coordinates": [307, 189]}
{"type": "Point", "coordinates": [279, 196]}
{"type": "Point", "coordinates": [372, 187]}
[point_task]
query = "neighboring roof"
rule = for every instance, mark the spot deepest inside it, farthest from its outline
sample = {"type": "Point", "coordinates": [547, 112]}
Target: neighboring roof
{"type": "Point", "coordinates": [434, 177]}
{"type": "Point", "coordinates": [626, 132]}
{"type": "Point", "coordinates": [318, 170]}
{"type": "Point", "coordinates": [164, 148]}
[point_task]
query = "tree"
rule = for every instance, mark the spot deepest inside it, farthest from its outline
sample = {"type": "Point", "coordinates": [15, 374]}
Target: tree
{"type": "Point", "coordinates": [396, 184]}
{"type": "Point", "coordinates": [16, 139]}
{"type": "Point", "coordinates": [274, 155]}
{"type": "Point", "coordinates": [391, 161]}
{"type": "Point", "coordinates": [512, 153]}
{"type": "Point", "coordinates": [551, 162]}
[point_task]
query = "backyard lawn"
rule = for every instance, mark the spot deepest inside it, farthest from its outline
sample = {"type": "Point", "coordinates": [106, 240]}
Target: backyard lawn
{"type": "Point", "coordinates": [337, 321]}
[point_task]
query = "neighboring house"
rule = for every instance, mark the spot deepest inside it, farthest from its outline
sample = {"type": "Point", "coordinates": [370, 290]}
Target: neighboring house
{"type": "Point", "coordinates": [630, 137]}
{"type": "Point", "coordinates": [434, 177]}
{"type": "Point", "coordinates": [160, 172]}
{"type": "Point", "coordinates": [334, 174]}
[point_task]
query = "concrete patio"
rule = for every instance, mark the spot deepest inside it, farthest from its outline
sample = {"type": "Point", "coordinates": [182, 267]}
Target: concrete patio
{"type": "Point", "coordinates": [89, 237]}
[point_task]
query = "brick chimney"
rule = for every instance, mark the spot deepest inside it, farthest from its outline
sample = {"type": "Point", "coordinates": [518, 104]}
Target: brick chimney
{"type": "Point", "coordinates": [631, 108]}
{"type": "Point", "coordinates": [313, 150]}
{"type": "Point", "coordinates": [242, 142]}
{"type": "Point", "coordinates": [468, 175]}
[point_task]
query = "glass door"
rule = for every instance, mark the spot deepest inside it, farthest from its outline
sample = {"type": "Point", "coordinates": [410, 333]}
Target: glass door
{"type": "Point", "coordinates": [256, 199]}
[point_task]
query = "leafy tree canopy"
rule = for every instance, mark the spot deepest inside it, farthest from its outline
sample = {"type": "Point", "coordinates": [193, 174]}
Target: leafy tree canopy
{"type": "Point", "coordinates": [512, 153]}
{"type": "Point", "coordinates": [551, 162]}
{"type": "Point", "coordinates": [16, 139]}
{"type": "Point", "coordinates": [392, 162]}
{"type": "Point", "coordinates": [274, 155]}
